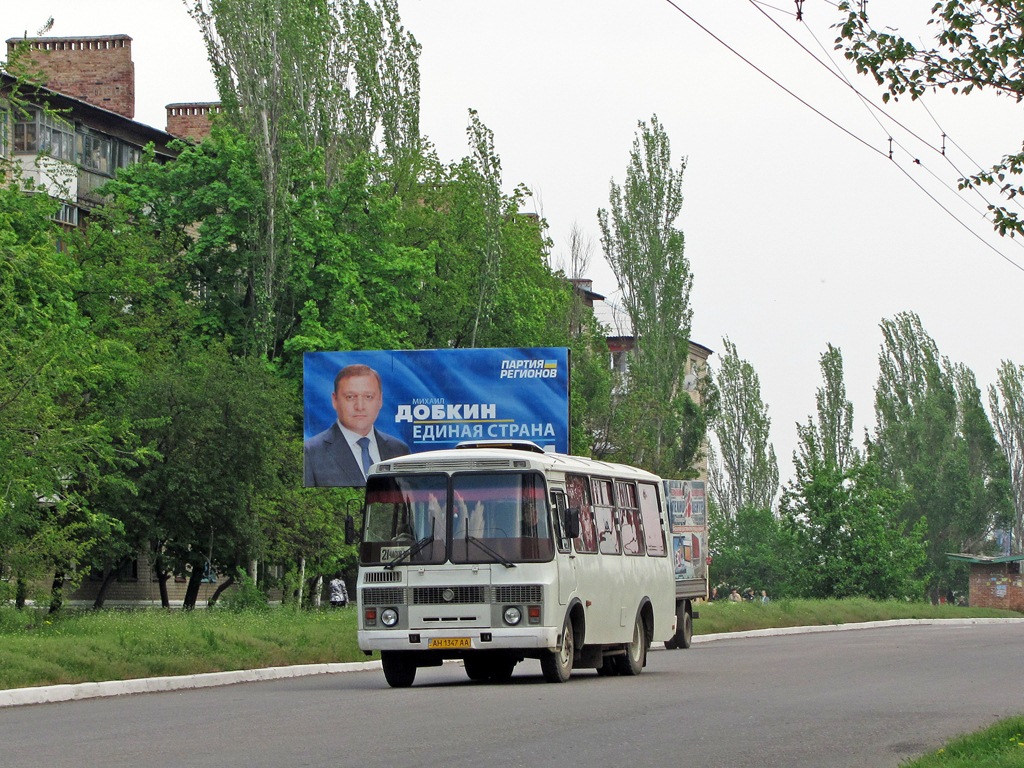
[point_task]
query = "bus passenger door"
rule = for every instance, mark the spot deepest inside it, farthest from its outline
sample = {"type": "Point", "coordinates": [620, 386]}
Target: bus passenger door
{"type": "Point", "coordinates": [563, 545]}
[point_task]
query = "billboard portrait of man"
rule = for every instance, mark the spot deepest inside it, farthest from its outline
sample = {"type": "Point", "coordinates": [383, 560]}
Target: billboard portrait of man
{"type": "Point", "coordinates": [342, 454]}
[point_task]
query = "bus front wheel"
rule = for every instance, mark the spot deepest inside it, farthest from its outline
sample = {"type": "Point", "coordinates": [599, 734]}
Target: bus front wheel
{"type": "Point", "coordinates": [557, 665]}
{"type": "Point", "coordinates": [399, 669]}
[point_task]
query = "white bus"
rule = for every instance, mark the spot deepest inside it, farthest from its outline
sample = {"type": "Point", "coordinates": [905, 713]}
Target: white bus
{"type": "Point", "coordinates": [497, 553]}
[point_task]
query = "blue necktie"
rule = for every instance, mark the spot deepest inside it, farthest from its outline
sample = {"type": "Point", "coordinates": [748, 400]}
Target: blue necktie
{"type": "Point", "coordinates": [364, 443]}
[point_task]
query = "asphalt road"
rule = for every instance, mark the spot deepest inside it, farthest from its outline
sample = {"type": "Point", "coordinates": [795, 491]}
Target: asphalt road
{"type": "Point", "coordinates": [869, 698]}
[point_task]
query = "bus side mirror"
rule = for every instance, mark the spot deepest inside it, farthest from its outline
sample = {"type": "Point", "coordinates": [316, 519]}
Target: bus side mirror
{"type": "Point", "coordinates": [572, 523]}
{"type": "Point", "coordinates": [350, 530]}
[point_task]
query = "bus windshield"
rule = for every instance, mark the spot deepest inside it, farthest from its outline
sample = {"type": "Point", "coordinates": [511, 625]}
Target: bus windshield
{"type": "Point", "coordinates": [479, 517]}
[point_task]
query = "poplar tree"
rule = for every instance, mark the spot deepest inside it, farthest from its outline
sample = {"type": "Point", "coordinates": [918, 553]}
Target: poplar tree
{"type": "Point", "coordinates": [848, 536]}
{"type": "Point", "coordinates": [829, 440]}
{"type": "Point", "coordinates": [935, 443]}
{"type": "Point", "coordinates": [1006, 404]}
{"type": "Point", "coordinates": [309, 82]}
{"type": "Point", "coordinates": [645, 249]}
{"type": "Point", "coordinates": [744, 471]}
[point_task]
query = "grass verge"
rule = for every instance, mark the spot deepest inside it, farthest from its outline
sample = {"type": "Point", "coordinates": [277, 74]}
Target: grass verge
{"type": "Point", "coordinates": [90, 646]}
{"type": "Point", "coordinates": [723, 616]}
{"type": "Point", "coordinates": [1001, 746]}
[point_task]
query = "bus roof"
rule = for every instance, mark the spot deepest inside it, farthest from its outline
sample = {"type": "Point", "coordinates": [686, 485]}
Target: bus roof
{"type": "Point", "coordinates": [499, 456]}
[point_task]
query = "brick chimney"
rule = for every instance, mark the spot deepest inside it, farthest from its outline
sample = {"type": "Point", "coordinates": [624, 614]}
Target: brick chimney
{"type": "Point", "coordinates": [98, 70]}
{"type": "Point", "coordinates": [191, 121]}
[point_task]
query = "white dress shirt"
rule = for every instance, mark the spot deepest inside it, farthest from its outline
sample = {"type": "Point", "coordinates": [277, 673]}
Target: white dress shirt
{"type": "Point", "coordinates": [353, 437]}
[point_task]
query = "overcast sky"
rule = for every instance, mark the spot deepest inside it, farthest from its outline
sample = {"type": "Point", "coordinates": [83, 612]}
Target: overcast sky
{"type": "Point", "coordinates": [800, 231]}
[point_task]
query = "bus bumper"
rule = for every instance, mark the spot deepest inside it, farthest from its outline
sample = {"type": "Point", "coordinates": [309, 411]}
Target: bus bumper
{"type": "Point", "coordinates": [453, 640]}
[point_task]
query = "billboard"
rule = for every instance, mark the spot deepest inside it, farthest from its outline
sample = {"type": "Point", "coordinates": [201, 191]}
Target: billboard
{"type": "Point", "coordinates": [368, 406]}
{"type": "Point", "coordinates": [687, 511]}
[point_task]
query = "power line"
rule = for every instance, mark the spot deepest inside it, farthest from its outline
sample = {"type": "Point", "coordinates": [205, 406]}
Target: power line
{"type": "Point", "coordinates": [872, 107]}
{"type": "Point", "coordinates": [963, 152]}
{"type": "Point", "coordinates": [953, 216]}
{"type": "Point", "coordinates": [760, 71]}
{"type": "Point", "coordinates": [845, 130]}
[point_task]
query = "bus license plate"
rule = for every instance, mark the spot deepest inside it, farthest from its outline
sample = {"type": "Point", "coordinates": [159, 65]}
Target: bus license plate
{"type": "Point", "coordinates": [449, 642]}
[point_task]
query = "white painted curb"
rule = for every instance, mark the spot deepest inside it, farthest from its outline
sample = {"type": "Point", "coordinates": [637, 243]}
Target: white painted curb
{"type": "Point", "coordinates": [49, 694]}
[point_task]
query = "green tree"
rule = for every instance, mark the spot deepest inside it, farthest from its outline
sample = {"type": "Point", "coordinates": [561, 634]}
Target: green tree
{"type": "Point", "coordinates": [61, 436]}
{"type": "Point", "coordinates": [849, 538]}
{"type": "Point", "coordinates": [307, 82]}
{"type": "Point", "coordinates": [828, 441]}
{"type": "Point", "coordinates": [935, 445]}
{"type": "Point", "coordinates": [847, 531]}
{"type": "Point", "coordinates": [646, 252]}
{"type": "Point", "coordinates": [746, 474]}
{"type": "Point", "coordinates": [491, 284]}
{"type": "Point", "coordinates": [591, 376]}
{"type": "Point", "coordinates": [219, 424]}
{"type": "Point", "coordinates": [753, 549]}
{"type": "Point", "coordinates": [978, 45]}
{"type": "Point", "coordinates": [1006, 404]}
{"type": "Point", "coordinates": [345, 243]}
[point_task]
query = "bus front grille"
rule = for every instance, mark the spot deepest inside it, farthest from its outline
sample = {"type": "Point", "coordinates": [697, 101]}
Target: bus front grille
{"type": "Point", "coordinates": [518, 593]}
{"type": "Point", "coordinates": [384, 596]}
{"type": "Point", "coordinates": [381, 577]}
{"type": "Point", "coordinates": [449, 595]}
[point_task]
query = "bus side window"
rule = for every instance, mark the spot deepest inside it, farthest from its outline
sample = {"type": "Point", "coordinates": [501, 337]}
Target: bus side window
{"type": "Point", "coordinates": [629, 518]}
{"type": "Point", "coordinates": [604, 512]}
{"type": "Point", "coordinates": [563, 525]}
{"type": "Point", "coordinates": [578, 489]}
{"type": "Point", "coordinates": [650, 512]}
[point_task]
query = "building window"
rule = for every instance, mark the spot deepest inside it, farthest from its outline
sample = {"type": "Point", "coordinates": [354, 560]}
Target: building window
{"type": "Point", "coordinates": [5, 145]}
{"type": "Point", "coordinates": [46, 134]}
{"type": "Point", "coordinates": [94, 153]}
{"type": "Point", "coordinates": [127, 154]}
{"type": "Point", "coordinates": [68, 214]}
{"type": "Point", "coordinates": [25, 137]}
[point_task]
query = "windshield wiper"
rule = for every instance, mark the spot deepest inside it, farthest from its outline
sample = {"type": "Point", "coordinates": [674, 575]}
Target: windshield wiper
{"type": "Point", "coordinates": [497, 556]}
{"type": "Point", "coordinates": [413, 549]}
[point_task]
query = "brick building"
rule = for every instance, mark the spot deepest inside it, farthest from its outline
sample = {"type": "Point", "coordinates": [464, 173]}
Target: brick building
{"type": "Point", "coordinates": [80, 127]}
{"type": "Point", "coordinates": [191, 120]}
{"type": "Point", "coordinates": [995, 582]}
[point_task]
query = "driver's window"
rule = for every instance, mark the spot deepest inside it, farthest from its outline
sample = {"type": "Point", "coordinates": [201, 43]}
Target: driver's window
{"type": "Point", "coordinates": [558, 502]}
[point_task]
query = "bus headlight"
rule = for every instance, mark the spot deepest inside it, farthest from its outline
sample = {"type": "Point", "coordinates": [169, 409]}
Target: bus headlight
{"type": "Point", "coordinates": [389, 617]}
{"type": "Point", "coordinates": [513, 615]}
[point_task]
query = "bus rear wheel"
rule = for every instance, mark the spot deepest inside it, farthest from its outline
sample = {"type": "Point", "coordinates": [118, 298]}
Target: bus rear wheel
{"type": "Point", "coordinates": [684, 628]}
{"type": "Point", "coordinates": [633, 660]}
{"type": "Point", "coordinates": [399, 669]}
{"type": "Point", "coordinates": [684, 638]}
{"type": "Point", "coordinates": [557, 665]}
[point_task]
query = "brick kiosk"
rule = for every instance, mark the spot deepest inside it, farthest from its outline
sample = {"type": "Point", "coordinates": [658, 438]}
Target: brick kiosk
{"type": "Point", "coordinates": [995, 582]}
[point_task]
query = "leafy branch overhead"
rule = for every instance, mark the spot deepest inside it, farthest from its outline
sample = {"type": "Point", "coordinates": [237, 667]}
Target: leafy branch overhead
{"type": "Point", "coordinates": [978, 45]}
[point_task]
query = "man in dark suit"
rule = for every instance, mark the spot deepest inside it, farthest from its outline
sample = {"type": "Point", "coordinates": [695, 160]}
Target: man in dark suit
{"type": "Point", "coordinates": [341, 455]}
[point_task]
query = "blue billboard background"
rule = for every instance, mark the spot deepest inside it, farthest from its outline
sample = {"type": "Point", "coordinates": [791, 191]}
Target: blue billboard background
{"type": "Point", "coordinates": [437, 398]}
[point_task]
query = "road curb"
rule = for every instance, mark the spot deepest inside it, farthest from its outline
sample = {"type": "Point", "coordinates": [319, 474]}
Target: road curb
{"type": "Point", "coordinates": [51, 694]}
{"type": "Point", "coordinates": [848, 627]}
